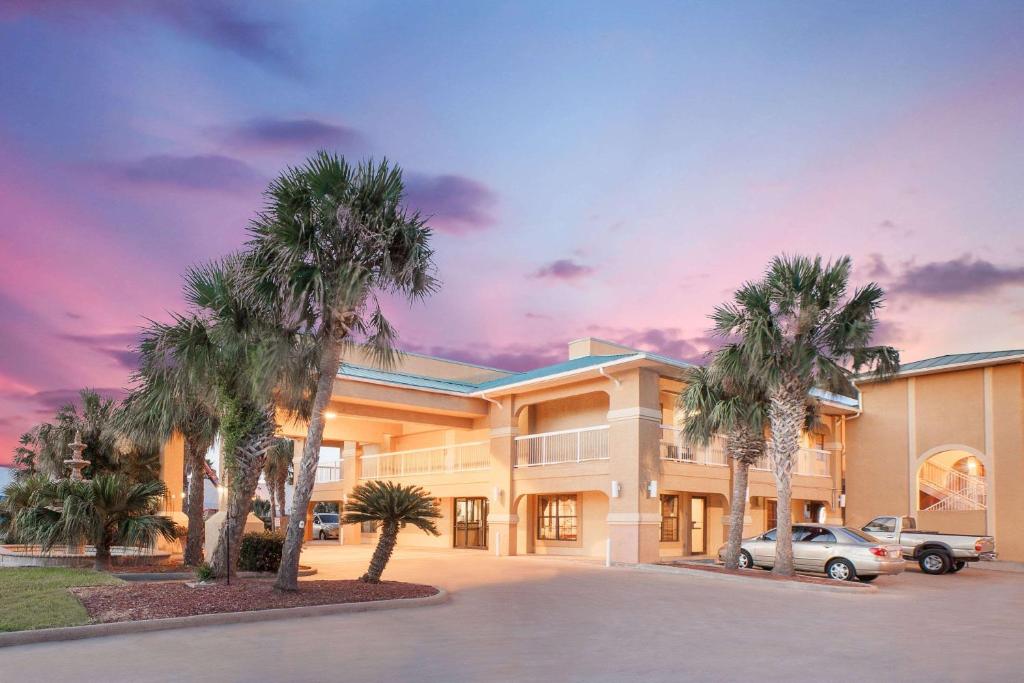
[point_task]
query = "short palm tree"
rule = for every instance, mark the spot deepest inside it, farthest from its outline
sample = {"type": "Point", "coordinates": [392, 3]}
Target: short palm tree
{"type": "Point", "coordinates": [107, 510]}
{"type": "Point", "coordinates": [275, 474]}
{"type": "Point", "coordinates": [392, 506]}
{"type": "Point", "coordinates": [331, 239]}
{"type": "Point", "coordinates": [799, 331]}
{"type": "Point", "coordinates": [154, 411]}
{"type": "Point", "coordinates": [715, 403]}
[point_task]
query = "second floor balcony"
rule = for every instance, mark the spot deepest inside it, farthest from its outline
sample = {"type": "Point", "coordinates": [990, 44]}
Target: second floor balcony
{"type": "Point", "coordinates": [564, 446]}
{"type": "Point", "coordinates": [463, 457]}
{"type": "Point", "coordinates": [810, 462]}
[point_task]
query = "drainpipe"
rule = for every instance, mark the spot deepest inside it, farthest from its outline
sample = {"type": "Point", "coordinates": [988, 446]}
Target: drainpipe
{"type": "Point", "coordinates": [491, 400]}
{"type": "Point", "coordinates": [618, 382]}
{"type": "Point", "coordinates": [842, 463]}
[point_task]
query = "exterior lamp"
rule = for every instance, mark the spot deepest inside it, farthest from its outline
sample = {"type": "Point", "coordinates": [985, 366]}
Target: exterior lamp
{"type": "Point", "coordinates": [616, 489]}
{"type": "Point", "coordinates": [330, 415]}
{"type": "Point", "coordinates": [652, 488]}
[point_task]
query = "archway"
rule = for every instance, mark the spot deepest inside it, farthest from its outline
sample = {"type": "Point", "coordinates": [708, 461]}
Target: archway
{"type": "Point", "coordinates": [952, 480]}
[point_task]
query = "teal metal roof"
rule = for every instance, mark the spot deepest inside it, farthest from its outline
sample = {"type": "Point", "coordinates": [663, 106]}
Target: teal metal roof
{"type": "Point", "coordinates": [407, 380]}
{"type": "Point", "coordinates": [957, 359]}
{"type": "Point", "coordinates": [548, 370]}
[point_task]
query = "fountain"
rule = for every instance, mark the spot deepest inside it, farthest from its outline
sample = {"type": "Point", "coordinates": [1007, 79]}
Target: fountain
{"type": "Point", "coordinates": [76, 463]}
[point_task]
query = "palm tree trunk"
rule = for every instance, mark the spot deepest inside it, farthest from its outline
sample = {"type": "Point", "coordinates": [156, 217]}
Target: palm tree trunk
{"type": "Point", "coordinates": [281, 498]}
{"type": "Point", "coordinates": [103, 562]}
{"type": "Point", "coordinates": [273, 503]}
{"type": "Point", "coordinates": [288, 573]}
{"type": "Point", "coordinates": [381, 555]}
{"type": "Point", "coordinates": [250, 457]}
{"type": "Point", "coordinates": [196, 456]}
{"type": "Point", "coordinates": [737, 511]}
{"type": "Point", "coordinates": [787, 414]}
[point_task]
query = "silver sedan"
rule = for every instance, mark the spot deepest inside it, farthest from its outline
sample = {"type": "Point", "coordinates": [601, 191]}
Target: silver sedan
{"type": "Point", "coordinates": [839, 552]}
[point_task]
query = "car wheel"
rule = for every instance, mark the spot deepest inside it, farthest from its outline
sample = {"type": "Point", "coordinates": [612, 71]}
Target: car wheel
{"type": "Point", "coordinates": [868, 579]}
{"type": "Point", "coordinates": [957, 566]}
{"type": "Point", "coordinates": [323, 535]}
{"type": "Point", "coordinates": [745, 560]}
{"type": "Point", "coordinates": [841, 570]}
{"type": "Point", "coordinates": [934, 562]}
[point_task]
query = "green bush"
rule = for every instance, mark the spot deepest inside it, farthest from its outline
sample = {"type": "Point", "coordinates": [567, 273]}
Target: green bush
{"type": "Point", "coordinates": [204, 572]}
{"type": "Point", "coordinates": [261, 552]}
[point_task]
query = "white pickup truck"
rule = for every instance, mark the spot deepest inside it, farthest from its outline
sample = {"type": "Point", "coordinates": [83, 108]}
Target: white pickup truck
{"type": "Point", "coordinates": [935, 553]}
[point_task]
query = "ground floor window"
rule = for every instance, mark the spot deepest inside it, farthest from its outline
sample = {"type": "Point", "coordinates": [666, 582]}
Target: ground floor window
{"type": "Point", "coordinates": [669, 518]}
{"type": "Point", "coordinates": [556, 518]}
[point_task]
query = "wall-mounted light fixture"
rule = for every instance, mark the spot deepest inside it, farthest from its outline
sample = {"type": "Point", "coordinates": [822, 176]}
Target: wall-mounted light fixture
{"type": "Point", "coordinates": [616, 489]}
{"type": "Point", "coordinates": [652, 488]}
{"type": "Point", "coordinates": [330, 415]}
{"type": "Point", "coordinates": [496, 494]}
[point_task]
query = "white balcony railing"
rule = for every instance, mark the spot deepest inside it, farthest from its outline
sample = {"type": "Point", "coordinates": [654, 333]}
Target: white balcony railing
{"type": "Point", "coordinates": [328, 472]}
{"type": "Point", "coordinates": [809, 462]}
{"type": "Point", "coordinates": [675, 448]}
{"type": "Point", "coordinates": [463, 457]}
{"type": "Point", "coordinates": [568, 445]}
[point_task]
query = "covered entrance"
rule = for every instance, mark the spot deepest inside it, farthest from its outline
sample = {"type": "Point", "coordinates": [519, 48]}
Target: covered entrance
{"type": "Point", "coordinates": [470, 523]}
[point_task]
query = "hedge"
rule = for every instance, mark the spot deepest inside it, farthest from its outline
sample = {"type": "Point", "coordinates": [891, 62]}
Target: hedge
{"type": "Point", "coordinates": [261, 552]}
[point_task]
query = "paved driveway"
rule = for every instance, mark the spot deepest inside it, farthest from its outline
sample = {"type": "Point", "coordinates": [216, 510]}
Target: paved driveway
{"type": "Point", "coordinates": [530, 618]}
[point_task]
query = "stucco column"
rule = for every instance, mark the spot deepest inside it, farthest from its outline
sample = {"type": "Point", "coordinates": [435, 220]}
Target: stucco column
{"type": "Point", "coordinates": [501, 518]}
{"type": "Point", "coordinates": [351, 470]}
{"type": "Point", "coordinates": [634, 418]}
{"type": "Point", "coordinates": [172, 472]}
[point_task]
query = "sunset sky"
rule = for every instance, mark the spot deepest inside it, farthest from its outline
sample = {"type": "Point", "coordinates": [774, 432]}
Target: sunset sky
{"type": "Point", "coordinates": [610, 170]}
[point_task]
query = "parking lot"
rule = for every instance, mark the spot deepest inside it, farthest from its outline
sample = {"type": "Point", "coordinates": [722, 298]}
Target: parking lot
{"type": "Point", "coordinates": [529, 618]}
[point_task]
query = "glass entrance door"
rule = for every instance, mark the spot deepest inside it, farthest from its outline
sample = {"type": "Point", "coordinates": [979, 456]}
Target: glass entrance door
{"type": "Point", "coordinates": [470, 523]}
{"type": "Point", "coordinates": [698, 524]}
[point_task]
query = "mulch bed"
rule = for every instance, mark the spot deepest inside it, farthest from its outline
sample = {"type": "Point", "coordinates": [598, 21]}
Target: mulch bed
{"type": "Point", "coordinates": [136, 601]}
{"type": "Point", "coordinates": [765, 575]}
{"type": "Point", "coordinates": [165, 568]}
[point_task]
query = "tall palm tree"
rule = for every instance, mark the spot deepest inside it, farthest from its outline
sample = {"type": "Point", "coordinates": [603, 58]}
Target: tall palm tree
{"type": "Point", "coordinates": [392, 506]}
{"type": "Point", "coordinates": [798, 330]}
{"type": "Point", "coordinates": [275, 474]}
{"type": "Point", "coordinates": [332, 237]}
{"type": "Point", "coordinates": [715, 403]}
{"type": "Point", "coordinates": [108, 510]}
{"type": "Point", "coordinates": [234, 355]}
{"type": "Point", "coordinates": [155, 410]}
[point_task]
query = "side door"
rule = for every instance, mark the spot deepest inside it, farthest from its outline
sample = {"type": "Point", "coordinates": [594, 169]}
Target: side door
{"type": "Point", "coordinates": [801, 553]}
{"type": "Point", "coordinates": [762, 549]}
{"type": "Point", "coordinates": [817, 546]}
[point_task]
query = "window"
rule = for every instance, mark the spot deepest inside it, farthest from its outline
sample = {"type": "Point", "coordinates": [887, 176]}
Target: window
{"type": "Point", "coordinates": [885, 525]}
{"type": "Point", "coordinates": [669, 519]}
{"type": "Point", "coordinates": [769, 536]}
{"type": "Point", "coordinates": [819, 535]}
{"type": "Point", "coordinates": [556, 518]}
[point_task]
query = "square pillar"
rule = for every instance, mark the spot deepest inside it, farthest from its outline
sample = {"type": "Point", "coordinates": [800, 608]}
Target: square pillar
{"type": "Point", "coordinates": [502, 521]}
{"type": "Point", "coordinates": [634, 418]}
{"type": "Point", "coordinates": [351, 470]}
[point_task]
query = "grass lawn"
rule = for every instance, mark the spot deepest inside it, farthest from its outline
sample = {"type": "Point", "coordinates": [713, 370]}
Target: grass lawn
{"type": "Point", "coordinates": [38, 597]}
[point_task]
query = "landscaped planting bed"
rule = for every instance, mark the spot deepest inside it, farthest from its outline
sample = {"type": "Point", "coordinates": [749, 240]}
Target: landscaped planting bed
{"type": "Point", "coordinates": [136, 601]}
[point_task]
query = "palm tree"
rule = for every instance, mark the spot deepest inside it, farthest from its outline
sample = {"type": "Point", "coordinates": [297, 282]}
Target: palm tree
{"type": "Point", "coordinates": [392, 506]}
{"type": "Point", "coordinates": [331, 238]}
{"type": "Point", "coordinates": [736, 407]}
{"type": "Point", "coordinates": [233, 354]}
{"type": "Point", "coordinates": [107, 510]}
{"type": "Point", "coordinates": [799, 331]}
{"type": "Point", "coordinates": [154, 411]}
{"type": "Point", "coordinates": [275, 474]}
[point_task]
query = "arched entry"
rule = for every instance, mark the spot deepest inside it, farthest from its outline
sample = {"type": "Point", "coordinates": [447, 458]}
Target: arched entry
{"type": "Point", "coordinates": [952, 481]}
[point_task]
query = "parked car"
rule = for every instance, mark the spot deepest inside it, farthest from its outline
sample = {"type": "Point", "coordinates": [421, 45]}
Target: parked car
{"type": "Point", "coordinates": [935, 552]}
{"type": "Point", "coordinates": [325, 525]}
{"type": "Point", "coordinates": [839, 552]}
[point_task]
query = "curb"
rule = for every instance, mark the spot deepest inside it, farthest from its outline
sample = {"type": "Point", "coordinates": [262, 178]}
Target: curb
{"type": "Point", "coordinates": [64, 633]}
{"type": "Point", "coordinates": [715, 576]}
{"type": "Point", "coordinates": [190, 576]}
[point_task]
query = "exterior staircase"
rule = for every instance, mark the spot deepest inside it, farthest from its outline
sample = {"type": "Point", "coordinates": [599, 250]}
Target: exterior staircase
{"type": "Point", "coordinates": [954, 491]}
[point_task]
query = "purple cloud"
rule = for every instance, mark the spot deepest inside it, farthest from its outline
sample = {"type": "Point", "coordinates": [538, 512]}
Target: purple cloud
{"type": "Point", "coordinates": [306, 134]}
{"type": "Point", "coordinates": [956, 278]}
{"type": "Point", "coordinates": [116, 345]}
{"type": "Point", "coordinates": [199, 172]}
{"type": "Point", "coordinates": [217, 23]}
{"type": "Point", "coordinates": [50, 400]}
{"type": "Point", "coordinates": [564, 269]}
{"type": "Point", "coordinates": [454, 204]}
{"type": "Point", "coordinates": [516, 358]}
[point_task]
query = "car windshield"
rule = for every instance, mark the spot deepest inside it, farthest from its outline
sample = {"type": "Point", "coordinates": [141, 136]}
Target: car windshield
{"type": "Point", "coordinates": [859, 536]}
{"type": "Point", "coordinates": [328, 519]}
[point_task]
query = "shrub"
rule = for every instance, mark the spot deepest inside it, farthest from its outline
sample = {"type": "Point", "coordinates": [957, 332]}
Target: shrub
{"type": "Point", "coordinates": [204, 572]}
{"type": "Point", "coordinates": [260, 552]}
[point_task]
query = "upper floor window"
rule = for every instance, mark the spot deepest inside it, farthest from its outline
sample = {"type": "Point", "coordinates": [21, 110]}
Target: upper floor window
{"type": "Point", "coordinates": [557, 518]}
